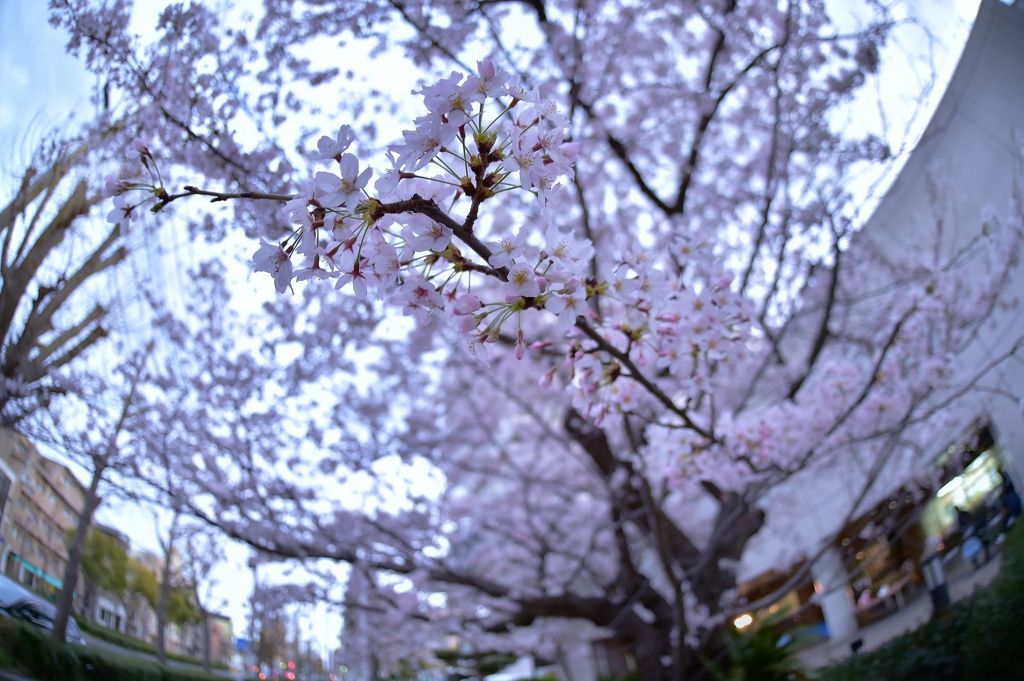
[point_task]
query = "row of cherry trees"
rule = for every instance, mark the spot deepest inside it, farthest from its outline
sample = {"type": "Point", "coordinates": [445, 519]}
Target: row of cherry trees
{"type": "Point", "coordinates": [637, 305]}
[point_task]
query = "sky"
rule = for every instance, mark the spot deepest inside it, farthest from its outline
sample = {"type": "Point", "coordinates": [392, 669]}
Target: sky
{"type": "Point", "coordinates": [41, 86]}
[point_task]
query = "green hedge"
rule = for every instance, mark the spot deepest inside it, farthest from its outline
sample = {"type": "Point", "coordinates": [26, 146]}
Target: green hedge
{"type": "Point", "coordinates": [30, 651]}
{"type": "Point", "coordinates": [976, 639]}
{"type": "Point", "coordinates": [132, 643]}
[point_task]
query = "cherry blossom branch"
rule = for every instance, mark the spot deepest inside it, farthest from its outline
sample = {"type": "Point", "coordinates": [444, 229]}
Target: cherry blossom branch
{"type": "Point", "coordinates": [889, 344]}
{"type": "Point", "coordinates": [639, 377]}
{"type": "Point", "coordinates": [226, 196]}
{"type": "Point", "coordinates": [970, 384]}
{"type": "Point", "coordinates": [430, 209]}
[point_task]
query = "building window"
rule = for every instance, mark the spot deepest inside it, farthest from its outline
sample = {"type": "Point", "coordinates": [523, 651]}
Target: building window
{"type": "Point", "coordinates": [967, 490]}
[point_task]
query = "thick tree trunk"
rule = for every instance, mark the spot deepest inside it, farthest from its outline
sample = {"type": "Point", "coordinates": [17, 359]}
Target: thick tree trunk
{"type": "Point", "coordinates": [92, 500]}
{"type": "Point", "coordinates": [207, 662]}
{"type": "Point", "coordinates": [652, 648]}
{"type": "Point", "coordinates": [161, 612]}
{"type": "Point", "coordinates": [66, 599]}
{"type": "Point", "coordinates": [660, 655]}
{"type": "Point", "coordinates": [165, 593]}
{"type": "Point", "coordinates": [89, 600]}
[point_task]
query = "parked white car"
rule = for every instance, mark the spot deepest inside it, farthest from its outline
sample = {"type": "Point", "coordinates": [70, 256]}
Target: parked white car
{"type": "Point", "coordinates": [18, 602]}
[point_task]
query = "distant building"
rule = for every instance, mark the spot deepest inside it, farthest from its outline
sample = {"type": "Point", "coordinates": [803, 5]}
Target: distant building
{"type": "Point", "coordinates": [40, 504]}
{"type": "Point", "coordinates": [106, 609]}
{"type": "Point", "coordinates": [222, 640]}
{"type": "Point", "coordinates": [40, 501]}
{"type": "Point", "coordinates": [120, 537]}
{"type": "Point", "coordinates": [142, 618]}
{"type": "Point", "coordinates": [188, 640]}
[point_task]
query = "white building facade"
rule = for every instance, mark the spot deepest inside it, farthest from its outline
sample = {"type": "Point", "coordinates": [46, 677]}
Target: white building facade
{"type": "Point", "coordinates": [972, 147]}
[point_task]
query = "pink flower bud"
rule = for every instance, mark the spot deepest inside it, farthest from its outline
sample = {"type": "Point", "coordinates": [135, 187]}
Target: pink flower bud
{"type": "Point", "coordinates": [520, 345]}
{"type": "Point", "coordinates": [543, 283]}
{"type": "Point", "coordinates": [570, 150]}
{"type": "Point", "coordinates": [466, 304]}
{"type": "Point", "coordinates": [545, 380]}
{"type": "Point", "coordinates": [486, 69]}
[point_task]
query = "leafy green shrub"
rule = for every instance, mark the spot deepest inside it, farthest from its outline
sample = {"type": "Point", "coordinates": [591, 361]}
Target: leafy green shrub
{"type": "Point", "coordinates": [759, 653]}
{"type": "Point", "coordinates": [33, 652]}
{"type": "Point", "coordinates": [132, 643]}
{"type": "Point", "coordinates": [100, 665]}
{"type": "Point", "coordinates": [994, 635]}
{"type": "Point", "coordinates": [975, 639]}
{"type": "Point", "coordinates": [115, 637]}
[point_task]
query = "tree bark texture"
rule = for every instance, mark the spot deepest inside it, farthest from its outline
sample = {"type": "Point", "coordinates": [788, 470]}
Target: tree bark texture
{"type": "Point", "coordinates": [66, 597]}
{"type": "Point", "coordinates": [165, 592]}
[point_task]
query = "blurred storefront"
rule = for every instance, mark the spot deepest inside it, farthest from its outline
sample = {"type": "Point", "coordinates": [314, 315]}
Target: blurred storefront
{"type": "Point", "coordinates": [878, 555]}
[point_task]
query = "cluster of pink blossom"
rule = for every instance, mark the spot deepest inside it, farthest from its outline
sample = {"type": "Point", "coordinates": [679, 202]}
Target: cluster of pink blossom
{"type": "Point", "coordinates": [664, 328]}
{"type": "Point", "coordinates": [485, 135]}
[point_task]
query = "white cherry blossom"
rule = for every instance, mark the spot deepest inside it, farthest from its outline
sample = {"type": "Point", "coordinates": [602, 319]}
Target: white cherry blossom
{"type": "Point", "coordinates": [328, 147]}
{"type": "Point", "coordinates": [275, 260]}
{"type": "Point", "coordinates": [335, 191]}
{"type": "Point", "coordinates": [522, 281]}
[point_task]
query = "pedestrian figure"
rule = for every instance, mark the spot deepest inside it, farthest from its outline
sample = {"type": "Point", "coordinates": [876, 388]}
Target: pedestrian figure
{"type": "Point", "coordinates": [1011, 502]}
{"type": "Point", "coordinates": [973, 540]}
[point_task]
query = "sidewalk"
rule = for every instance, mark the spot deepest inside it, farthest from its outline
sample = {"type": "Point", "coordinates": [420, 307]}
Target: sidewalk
{"type": "Point", "coordinates": [914, 615]}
